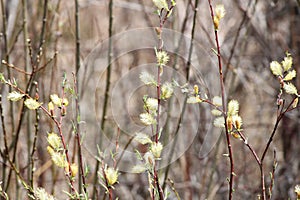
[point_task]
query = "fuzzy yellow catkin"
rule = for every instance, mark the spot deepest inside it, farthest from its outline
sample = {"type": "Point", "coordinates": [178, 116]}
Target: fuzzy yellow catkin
{"type": "Point", "coordinates": [297, 191]}
{"type": "Point", "coordinates": [156, 149]}
{"type": "Point", "coordinates": [219, 14]}
{"type": "Point", "coordinates": [229, 123]}
{"type": "Point", "coordinates": [51, 107]}
{"type": "Point", "coordinates": [166, 90]}
{"type": "Point", "coordinates": [111, 175]}
{"type": "Point", "coordinates": [196, 89]}
{"type": "Point", "coordinates": [162, 58]}
{"type": "Point", "coordinates": [161, 4]}
{"type": "Point", "coordinates": [74, 169]}
{"type": "Point", "coordinates": [233, 107]}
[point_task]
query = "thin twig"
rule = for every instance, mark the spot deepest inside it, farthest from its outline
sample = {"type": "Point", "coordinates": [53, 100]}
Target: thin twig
{"type": "Point", "coordinates": [107, 89]}
{"type": "Point", "coordinates": [224, 107]}
{"type": "Point", "coordinates": [279, 118]}
{"type": "Point", "coordinates": [78, 139]}
{"type": "Point", "coordinates": [272, 174]}
{"type": "Point", "coordinates": [169, 107]}
{"type": "Point", "coordinates": [34, 65]}
{"type": "Point", "coordinates": [81, 177]}
{"type": "Point", "coordinates": [4, 62]}
{"type": "Point", "coordinates": [58, 123]}
{"type": "Point", "coordinates": [188, 64]}
{"type": "Point", "coordinates": [6, 153]}
{"type": "Point", "coordinates": [36, 125]}
{"type": "Point", "coordinates": [233, 48]}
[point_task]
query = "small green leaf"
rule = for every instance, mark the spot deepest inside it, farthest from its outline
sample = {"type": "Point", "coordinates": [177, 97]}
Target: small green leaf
{"type": "Point", "coordinates": [138, 154]}
{"type": "Point", "coordinates": [2, 78]}
{"type": "Point", "coordinates": [215, 51]}
{"type": "Point", "coordinates": [173, 2]}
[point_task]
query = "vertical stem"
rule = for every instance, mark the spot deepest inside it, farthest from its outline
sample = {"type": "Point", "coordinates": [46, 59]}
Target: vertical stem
{"type": "Point", "coordinates": [42, 36]}
{"type": "Point", "coordinates": [162, 20]}
{"type": "Point", "coordinates": [184, 105]}
{"type": "Point", "coordinates": [81, 178]}
{"type": "Point", "coordinates": [188, 64]}
{"type": "Point", "coordinates": [6, 57]}
{"type": "Point", "coordinates": [158, 104]}
{"type": "Point", "coordinates": [36, 125]}
{"type": "Point", "coordinates": [4, 54]}
{"type": "Point", "coordinates": [107, 87]}
{"type": "Point", "coordinates": [5, 151]}
{"type": "Point", "coordinates": [262, 175]}
{"type": "Point", "coordinates": [26, 69]}
{"type": "Point", "coordinates": [28, 89]}
{"type": "Point", "coordinates": [262, 180]}
{"type": "Point", "coordinates": [160, 46]}
{"type": "Point", "coordinates": [224, 107]}
{"type": "Point", "coordinates": [77, 39]}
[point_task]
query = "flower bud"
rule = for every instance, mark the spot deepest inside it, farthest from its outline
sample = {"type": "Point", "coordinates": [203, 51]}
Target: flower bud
{"type": "Point", "coordinates": [51, 108]}
{"type": "Point", "coordinates": [111, 175]}
{"type": "Point", "coordinates": [73, 171]}
{"type": "Point", "coordinates": [229, 124]}
{"type": "Point", "coordinates": [156, 149]}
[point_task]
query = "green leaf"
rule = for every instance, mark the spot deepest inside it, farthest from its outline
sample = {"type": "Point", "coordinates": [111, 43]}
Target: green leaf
{"type": "Point", "coordinates": [173, 2]}
{"type": "Point", "coordinates": [138, 154]}
{"type": "Point", "coordinates": [2, 78]}
{"type": "Point", "coordinates": [215, 51]}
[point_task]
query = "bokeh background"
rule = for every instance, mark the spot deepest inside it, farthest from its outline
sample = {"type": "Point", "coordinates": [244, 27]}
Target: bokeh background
{"type": "Point", "coordinates": [252, 34]}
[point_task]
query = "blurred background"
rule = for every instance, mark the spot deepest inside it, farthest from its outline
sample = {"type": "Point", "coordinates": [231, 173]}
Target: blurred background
{"type": "Point", "coordinates": [252, 34]}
